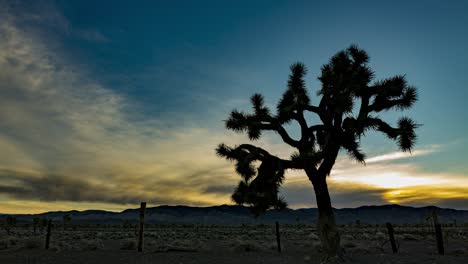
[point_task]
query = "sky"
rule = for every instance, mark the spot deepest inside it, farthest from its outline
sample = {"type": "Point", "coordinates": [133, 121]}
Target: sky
{"type": "Point", "coordinates": [104, 104]}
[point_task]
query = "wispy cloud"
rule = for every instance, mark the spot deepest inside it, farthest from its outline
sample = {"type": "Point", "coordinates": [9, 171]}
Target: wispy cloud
{"type": "Point", "coordinates": [45, 15]}
{"type": "Point", "coordinates": [402, 155]}
{"type": "Point", "coordinates": [65, 137]}
{"type": "Point", "coordinates": [92, 35]}
{"type": "Point", "coordinates": [384, 182]}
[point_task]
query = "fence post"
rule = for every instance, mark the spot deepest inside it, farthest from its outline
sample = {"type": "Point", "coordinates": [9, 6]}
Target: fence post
{"type": "Point", "coordinates": [278, 240]}
{"type": "Point", "coordinates": [392, 237]}
{"type": "Point", "coordinates": [49, 224]}
{"type": "Point", "coordinates": [142, 224]}
{"type": "Point", "coordinates": [439, 238]}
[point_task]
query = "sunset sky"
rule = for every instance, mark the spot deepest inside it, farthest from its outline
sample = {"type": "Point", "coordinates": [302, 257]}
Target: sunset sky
{"type": "Point", "coordinates": [104, 104]}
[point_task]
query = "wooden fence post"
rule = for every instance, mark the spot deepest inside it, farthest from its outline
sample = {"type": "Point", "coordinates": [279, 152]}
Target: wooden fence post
{"type": "Point", "coordinates": [439, 238]}
{"type": "Point", "coordinates": [392, 237]}
{"type": "Point", "coordinates": [49, 224]}
{"type": "Point", "coordinates": [278, 240]}
{"type": "Point", "coordinates": [142, 224]}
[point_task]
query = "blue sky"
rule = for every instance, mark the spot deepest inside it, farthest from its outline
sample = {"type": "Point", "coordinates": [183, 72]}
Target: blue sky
{"type": "Point", "coordinates": [170, 56]}
{"type": "Point", "coordinates": [160, 76]}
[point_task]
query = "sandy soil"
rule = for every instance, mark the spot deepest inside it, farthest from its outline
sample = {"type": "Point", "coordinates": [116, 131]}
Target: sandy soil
{"type": "Point", "coordinates": [227, 245]}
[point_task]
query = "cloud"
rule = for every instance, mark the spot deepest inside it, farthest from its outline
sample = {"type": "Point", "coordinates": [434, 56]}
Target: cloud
{"type": "Point", "coordinates": [353, 193]}
{"type": "Point", "coordinates": [92, 35]}
{"type": "Point", "coordinates": [65, 137]}
{"type": "Point", "coordinates": [49, 188]}
{"type": "Point", "coordinates": [402, 155]}
{"type": "Point", "coordinates": [300, 194]}
{"type": "Point", "coordinates": [44, 17]}
{"type": "Point", "coordinates": [352, 185]}
{"type": "Point", "coordinates": [54, 187]}
{"type": "Point", "coordinates": [225, 190]}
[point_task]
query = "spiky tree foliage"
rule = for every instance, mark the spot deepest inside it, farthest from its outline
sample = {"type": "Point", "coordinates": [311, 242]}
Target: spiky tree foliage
{"type": "Point", "coordinates": [349, 106]}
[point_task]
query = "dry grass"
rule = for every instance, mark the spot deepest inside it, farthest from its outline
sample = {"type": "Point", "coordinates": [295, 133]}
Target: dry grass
{"type": "Point", "coordinates": [301, 244]}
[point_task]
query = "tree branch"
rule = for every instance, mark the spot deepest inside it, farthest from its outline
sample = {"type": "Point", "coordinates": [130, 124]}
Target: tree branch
{"type": "Point", "coordinates": [314, 128]}
{"type": "Point", "coordinates": [281, 131]}
{"type": "Point", "coordinates": [386, 105]}
{"type": "Point", "coordinates": [313, 109]}
{"type": "Point", "coordinates": [319, 110]}
{"type": "Point", "coordinates": [305, 135]}
{"type": "Point", "coordinates": [383, 127]}
{"type": "Point", "coordinates": [329, 160]}
{"type": "Point", "coordinates": [364, 109]}
{"type": "Point", "coordinates": [263, 154]}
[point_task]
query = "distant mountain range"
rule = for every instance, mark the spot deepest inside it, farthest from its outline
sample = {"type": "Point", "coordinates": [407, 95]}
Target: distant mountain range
{"type": "Point", "coordinates": [237, 215]}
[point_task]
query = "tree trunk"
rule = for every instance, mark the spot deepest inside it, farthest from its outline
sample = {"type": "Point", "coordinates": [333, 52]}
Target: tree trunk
{"type": "Point", "coordinates": [328, 231]}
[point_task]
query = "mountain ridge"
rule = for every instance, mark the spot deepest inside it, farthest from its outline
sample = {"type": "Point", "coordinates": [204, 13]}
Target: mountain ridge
{"type": "Point", "coordinates": [237, 215]}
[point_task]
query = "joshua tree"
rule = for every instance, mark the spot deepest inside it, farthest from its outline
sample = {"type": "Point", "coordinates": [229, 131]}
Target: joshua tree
{"type": "Point", "coordinates": [36, 221]}
{"type": "Point", "coordinates": [42, 223]}
{"type": "Point", "coordinates": [346, 81]}
{"type": "Point", "coordinates": [126, 224]}
{"type": "Point", "coordinates": [66, 219]}
{"type": "Point", "coordinates": [10, 221]}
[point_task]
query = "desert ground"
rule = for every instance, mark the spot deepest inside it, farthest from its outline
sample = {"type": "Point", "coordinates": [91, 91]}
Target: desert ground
{"type": "Point", "coordinates": [215, 244]}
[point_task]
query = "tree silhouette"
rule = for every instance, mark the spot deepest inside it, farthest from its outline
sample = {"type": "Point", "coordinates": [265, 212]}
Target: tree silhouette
{"type": "Point", "coordinates": [346, 81]}
{"type": "Point", "coordinates": [66, 219]}
{"type": "Point", "coordinates": [36, 221]}
{"type": "Point", "coordinates": [10, 222]}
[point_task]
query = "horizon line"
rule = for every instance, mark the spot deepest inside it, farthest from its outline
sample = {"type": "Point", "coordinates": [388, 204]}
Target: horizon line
{"type": "Point", "coordinates": [235, 205]}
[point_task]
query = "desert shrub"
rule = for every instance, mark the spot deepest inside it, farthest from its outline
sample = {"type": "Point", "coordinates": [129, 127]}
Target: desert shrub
{"type": "Point", "coordinates": [347, 237]}
{"type": "Point", "coordinates": [411, 237]}
{"type": "Point", "coordinates": [242, 245]}
{"type": "Point", "coordinates": [13, 240]}
{"type": "Point", "coordinates": [100, 235]}
{"type": "Point", "coordinates": [185, 245]}
{"type": "Point", "coordinates": [313, 236]}
{"type": "Point", "coordinates": [57, 246]}
{"type": "Point", "coordinates": [358, 249]}
{"type": "Point", "coordinates": [7, 242]}
{"type": "Point", "coordinates": [366, 236]}
{"type": "Point", "coordinates": [128, 244]}
{"type": "Point", "coordinates": [77, 236]}
{"type": "Point", "coordinates": [4, 244]}
{"type": "Point", "coordinates": [348, 244]}
{"type": "Point", "coordinates": [270, 245]}
{"type": "Point", "coordinates": [32, 243]}
{"type": "Point", "coordinates": [91, 244]}
{"type": "Point", "coordinates": [380, 236]}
